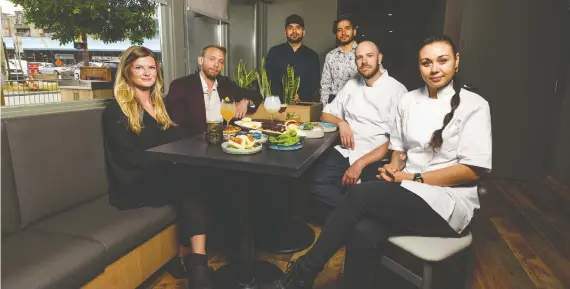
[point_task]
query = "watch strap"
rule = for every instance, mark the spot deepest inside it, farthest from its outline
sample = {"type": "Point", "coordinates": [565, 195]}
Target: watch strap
{"type": "Point", "coordinates": [418, 178]}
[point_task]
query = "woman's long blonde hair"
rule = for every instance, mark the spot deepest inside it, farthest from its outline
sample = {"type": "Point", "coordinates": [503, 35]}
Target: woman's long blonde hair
{"type": "Point", "coordinates": [125, 91]}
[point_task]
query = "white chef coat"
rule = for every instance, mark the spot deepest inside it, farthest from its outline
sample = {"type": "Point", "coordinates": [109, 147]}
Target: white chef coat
{"type": "Point", "coordinates": [466, 140]}
{"type": "Point", "coordinates": [368, 110]}
{"type": "Point", "coordinates": [211, 100]}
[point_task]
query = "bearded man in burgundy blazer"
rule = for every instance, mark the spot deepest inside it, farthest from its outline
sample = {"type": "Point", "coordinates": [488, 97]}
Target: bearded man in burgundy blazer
{"type": "Point", "coordinates": [195, 98]}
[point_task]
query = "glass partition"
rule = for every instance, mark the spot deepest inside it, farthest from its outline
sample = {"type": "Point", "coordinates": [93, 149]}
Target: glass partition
{"type": "Point", "coordinates": [242, 36]}
{"type": "Point", "coordinates": [200, 32]}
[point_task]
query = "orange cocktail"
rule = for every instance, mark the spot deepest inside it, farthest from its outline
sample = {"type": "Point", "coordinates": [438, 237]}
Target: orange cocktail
{"type": "Point", "coordinates": [228, 110]}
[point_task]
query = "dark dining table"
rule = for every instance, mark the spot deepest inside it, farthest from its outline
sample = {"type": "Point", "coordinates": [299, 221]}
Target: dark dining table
{"type": "Point", "coordinates": [245, 271]}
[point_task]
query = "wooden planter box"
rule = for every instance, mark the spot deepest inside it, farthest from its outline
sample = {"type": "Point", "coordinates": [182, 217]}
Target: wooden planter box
{"type": "Point", "coordinates": [79, 93]}
{"type": "Point", "coordinates": [95, 73]}
{"type": "Point", "coordinates": [43, 76]}
{"type": "Point", "coordinates": [307, 111]}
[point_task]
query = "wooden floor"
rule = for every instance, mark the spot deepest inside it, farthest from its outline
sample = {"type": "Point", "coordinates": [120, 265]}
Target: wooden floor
{"type": "Point", "coordinates": [521, 240]}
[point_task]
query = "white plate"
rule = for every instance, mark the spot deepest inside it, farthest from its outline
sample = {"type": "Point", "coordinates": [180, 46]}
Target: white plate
{"type": "Point", "coordinates": [230, 150]}
{"type": "Point", "coordinates": [253, 126]}
{"type": "Point", "coordinates": [317, 132]}
{"type": "Point", "coordinates": [249, 125]}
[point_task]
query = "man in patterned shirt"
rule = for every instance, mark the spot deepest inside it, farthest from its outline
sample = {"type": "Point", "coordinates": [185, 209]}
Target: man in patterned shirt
{"type": "Point", "coordinates": [339, 66]}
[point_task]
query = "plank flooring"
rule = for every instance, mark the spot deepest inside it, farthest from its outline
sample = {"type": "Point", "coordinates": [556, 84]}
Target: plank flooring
{"type": "Point", "coordinates": [521, 240]}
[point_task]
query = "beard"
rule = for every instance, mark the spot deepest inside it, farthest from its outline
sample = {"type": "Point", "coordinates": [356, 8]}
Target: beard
{"type": "Point", "coordinates": [297, 40]}
{"type": "Point", "coordinates": [350, 39]}
{"type": "Point", "coordinates": [210, 75]}
{"type": "Point", "coordinates": [371, 73]}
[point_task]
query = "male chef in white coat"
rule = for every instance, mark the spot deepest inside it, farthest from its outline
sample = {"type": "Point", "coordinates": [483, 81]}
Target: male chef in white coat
{"type": "Point", "coordinates": [363, 110]}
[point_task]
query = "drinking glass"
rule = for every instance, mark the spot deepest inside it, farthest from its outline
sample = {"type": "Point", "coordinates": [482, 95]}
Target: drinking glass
{"type": "Point", "coordinates": [214, 132]}
{"type": "Point", "coordinates": [228, 110]}
{"type": "Point", "coordinates": [272, 104]}
{"type": "Point", "coordinates": [283, 109]}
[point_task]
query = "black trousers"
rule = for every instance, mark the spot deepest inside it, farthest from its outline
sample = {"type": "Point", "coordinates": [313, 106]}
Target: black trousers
{"type": "Point", "coordinates": [194, 192]}
{"type": "Point", "coordinates": [325, 179]}
{"type": "Point", "coordinates": [370, 213]}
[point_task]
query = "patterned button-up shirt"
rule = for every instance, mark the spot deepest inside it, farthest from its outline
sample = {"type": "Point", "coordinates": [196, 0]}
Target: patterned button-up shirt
{"type": "Point", "coordinates": [339, 68]}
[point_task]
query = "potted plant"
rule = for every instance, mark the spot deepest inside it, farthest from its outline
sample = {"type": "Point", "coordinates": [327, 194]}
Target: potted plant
{"type": "Point", "coordinates": [263, 82]}
{"type": "Point", "coordinates": [244, 78]}
{"type": "Point", "coordinates": [301, 112]}
{"type": "Point", "coordinates": [290, 85]}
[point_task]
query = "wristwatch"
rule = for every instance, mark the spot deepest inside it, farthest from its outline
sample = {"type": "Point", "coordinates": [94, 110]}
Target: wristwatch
{"type": "Point", "coordinates": [418, 178]}
{"type": "Point", "coordinates": [251, 103]}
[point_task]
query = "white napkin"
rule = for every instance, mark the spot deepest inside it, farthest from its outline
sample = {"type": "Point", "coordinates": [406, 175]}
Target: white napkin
{"type": "Point", "coordinates": [342, 151]}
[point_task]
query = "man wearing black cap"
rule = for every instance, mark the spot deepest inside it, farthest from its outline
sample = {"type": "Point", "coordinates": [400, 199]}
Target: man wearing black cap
{"type": "Point", "coordinates": [302, 58]}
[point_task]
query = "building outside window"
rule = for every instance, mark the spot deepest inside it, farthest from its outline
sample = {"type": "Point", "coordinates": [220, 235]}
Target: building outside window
{"type": "Point", "coordinates": [43, 70]}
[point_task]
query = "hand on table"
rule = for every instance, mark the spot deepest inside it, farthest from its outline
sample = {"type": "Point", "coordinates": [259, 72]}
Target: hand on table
{"type": "Point", "coordinates": [241, 108]}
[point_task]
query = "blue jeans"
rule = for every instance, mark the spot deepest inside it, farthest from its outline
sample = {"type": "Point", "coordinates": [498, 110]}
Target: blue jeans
{"type": "Point", "coordinates": [325, 179]}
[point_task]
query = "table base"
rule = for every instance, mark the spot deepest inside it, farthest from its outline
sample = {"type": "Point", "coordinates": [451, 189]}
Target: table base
{"type": "Point", "coordinates": [263, 272]}
{"type": "Point", "coordinates": [288, 237]}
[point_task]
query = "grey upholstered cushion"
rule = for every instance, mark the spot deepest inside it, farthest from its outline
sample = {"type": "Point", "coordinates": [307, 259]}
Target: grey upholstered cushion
{"type": "Point", "coordinates": [118, 230]}
{"type": "Point", "coordinates": [10, 213]}
{"type": "Point", "coordinates": [58, 161]}
{"type": "Point", "coordinates": [32, 260]}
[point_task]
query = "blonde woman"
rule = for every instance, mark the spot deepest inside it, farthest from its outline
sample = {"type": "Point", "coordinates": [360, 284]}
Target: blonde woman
{"type": "Point", "coordinates": [135, 121]}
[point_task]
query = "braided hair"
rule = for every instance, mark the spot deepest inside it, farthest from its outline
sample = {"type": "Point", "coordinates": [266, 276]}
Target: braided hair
{"type": "Point", "coordinates": [436, 138]}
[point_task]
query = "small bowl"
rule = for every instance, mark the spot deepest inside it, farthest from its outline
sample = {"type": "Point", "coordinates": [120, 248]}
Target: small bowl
{"type": "Point", "coordinates": [227, 136]}
{"type": "Point", "coordinates": [256, 134]}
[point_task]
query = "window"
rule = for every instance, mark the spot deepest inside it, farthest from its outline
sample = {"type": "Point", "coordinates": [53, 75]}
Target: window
{"type": "Point", "coordinates": [46, 72]}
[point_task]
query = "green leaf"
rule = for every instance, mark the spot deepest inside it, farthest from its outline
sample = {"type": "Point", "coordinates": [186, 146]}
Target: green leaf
{"type": "Point", "coordinates": [244, 78]}
{"type": "Point", "coordinates": [262, 80]}
{"type": "Point", "coordinates": [290, 85]}
{"type": "Point", "coordinates": [110, 21]}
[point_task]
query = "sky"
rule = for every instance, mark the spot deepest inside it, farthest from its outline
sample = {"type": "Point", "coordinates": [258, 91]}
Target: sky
{"type": "Point", "coordinates": [8, 7]}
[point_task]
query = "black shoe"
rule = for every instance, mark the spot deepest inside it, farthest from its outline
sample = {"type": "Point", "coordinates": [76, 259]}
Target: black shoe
{"type": "Point", "coordinates": [176, 268]}
{"type": "Point", "coordinates": [199, 277]}
{"type": "Point", "coordinates": [295, 277]}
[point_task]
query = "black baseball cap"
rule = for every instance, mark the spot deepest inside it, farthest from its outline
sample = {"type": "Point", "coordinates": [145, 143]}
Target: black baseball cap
{"type": "Point", "coordinates": [294, 19]}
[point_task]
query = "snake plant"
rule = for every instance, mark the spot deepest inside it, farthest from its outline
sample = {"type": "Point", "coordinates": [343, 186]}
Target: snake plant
{"type": "Point", "coordinates": [263, 81]}
{"type": "Point", "coordinates": [290, 85]}
{"type": "Point", "coordinates": [244, 79]}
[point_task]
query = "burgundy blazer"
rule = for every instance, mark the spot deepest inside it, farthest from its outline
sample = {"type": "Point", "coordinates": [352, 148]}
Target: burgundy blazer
{"type": "Point", "coordinates": [185, 100]}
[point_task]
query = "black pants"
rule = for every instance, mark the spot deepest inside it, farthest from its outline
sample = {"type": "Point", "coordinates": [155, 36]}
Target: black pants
{"type": "Point", "coordinates": [194, 192]}
{"type": "Point", "coordinates": [325, 179]}
{"type": "Point", "coordinates": [205, 204]}
{"type": "Point", "coordinates": [370, 214]}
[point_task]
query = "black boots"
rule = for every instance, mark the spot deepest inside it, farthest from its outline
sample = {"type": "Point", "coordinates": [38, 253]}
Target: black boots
{"type": "Point", "coordinates": [297, 276]}
{"type": "Point", "coordinates": [199, 274]}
